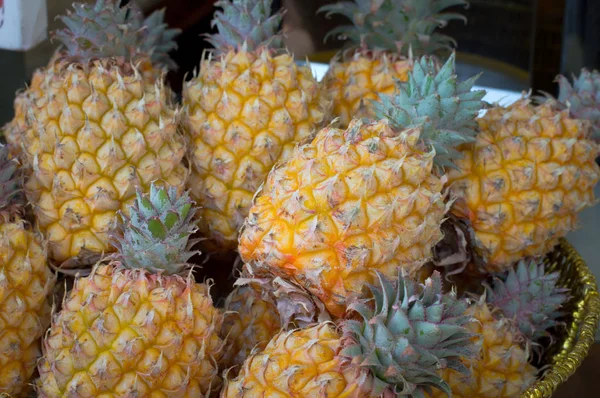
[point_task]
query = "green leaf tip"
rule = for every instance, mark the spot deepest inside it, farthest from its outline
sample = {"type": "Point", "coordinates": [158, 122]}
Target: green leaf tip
{"type": "Point", "coordinates": [434, 99]}
{"type": "Point", "coordinates": [246, 23]}
{"type": "Point", "coordinates": [407, 332]}
{"type": "Point", "coordinates": [156, 235]}
{"type": "Point", "coordinates": [401, 26]}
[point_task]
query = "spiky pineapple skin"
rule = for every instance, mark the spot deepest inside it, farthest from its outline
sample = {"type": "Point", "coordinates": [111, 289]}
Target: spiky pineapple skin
{"type": "Point", "coordinates": [103, 130]}
{"type": "Point", "coordinates": [522, 183]}
{"type": "Point", "coordinates": [360, 79]}
{"type": "Point", "coordinates": [502, 369]}
{"type": "Point", "coordinates": [299, 363]}
{"type": "Point", "coordinates": [251, 320]}
{"type": "Point", "coordinates": [245, 112]}
{"type": "Point", "coordinates": [128, 332]}
{"type": "Point", "coordinates": [348, 204]}
{"type": "Point", "coordinates": [25, 285]}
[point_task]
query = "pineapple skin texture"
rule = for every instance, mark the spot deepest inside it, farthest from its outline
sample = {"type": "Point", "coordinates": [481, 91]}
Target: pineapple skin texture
{"type": "Point", "coordinates": [344, 206]}
{"type": "Point", "coordinates": [25, 285]}
{"type": "Point", "coordinates": [502, 370]}
{"type": "Point", "coordinates": [251, 320]}
{"type": "Point", "coordinates": [103, 131]}
{"type": "Point", "coordinates": [245, 112]}
{"type": "Point", "coordinates": [361, 78]}
{"type": "Point", "coordinates": [299, 363]}
{"type": "Point", "coordinates": [523, 181]}
{"type": "Point", "coordinates": [127, 332]}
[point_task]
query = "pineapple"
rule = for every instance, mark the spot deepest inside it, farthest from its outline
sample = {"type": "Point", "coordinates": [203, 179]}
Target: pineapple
{"type": "Point", "coordinates": [139, 325]}
{"type": "Point", "coordinates": [394, 346]}
{"type": "Point", "coordinates": [102, 130]}
{"type": "Point", "coordinates": [149, 36]}
{"type": "Point", "coordinates": [25, 286]}
{"type": "Point", "coordinates": [257, 309]}
{"type": "Point", "coordinates": [582, 98]}
{"type": "Point", "coordinates": [522, 182]}
{"type": "Point", "coordinates": [246, 109]}
{"type": "Point", "coordinates": [525, 303]}
{"type": "Point", "coordinates": [367, 198]}
{"type": "Point", "coordinates": [384, 34]}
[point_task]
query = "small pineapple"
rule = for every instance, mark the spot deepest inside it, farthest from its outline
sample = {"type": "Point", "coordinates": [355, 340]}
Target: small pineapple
{"type": "Point", "coordinates": [365, 199]}
{"type": "Point", "coordinates": [25, 286]}
{"type": "Point", "coordinates": [581, 98]}
{"type": "Point", "coordinates": [148, 36]}
{"type": "Point", "coordinates": [140, 325]}
{"type": "Point", "coordinates": [397, 341]}
{"type": "Point", "coordinates": [525, 302]}
{"type": "Point", "coordinates": [246, 109]}
{"type": "Point", "coordinates": [521, 184]}
{"type": "Point", "coordinates": [102, 130]}
{"type": "Point", "coordinates": [384, 34]}
{"type": "Point", "coordinates": [259, 308]}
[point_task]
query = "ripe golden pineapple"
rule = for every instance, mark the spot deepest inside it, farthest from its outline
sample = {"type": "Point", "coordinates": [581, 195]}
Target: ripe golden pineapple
{"type": "Point", "coordinates": [365, 199]}
{"type": "Point", "coordinates": [103, 130]}
{"type": "Point", "coordinates": [522, 182]}
{"type": "Point", "coordinates": [148, 36]}
{"type": "Point", "coordinates": [354, 360]}
{"type": "Point", "coordinates": [383, 36]}
{"type": "Point", "coordinates": [257, 309]}
{"type": "Point", "coordinates": [246, 109]}
{"type": "Point", "coordinates": [525, 303]}
{"type": "Point", "coordinates": [140, 325]}
{"type": "Point", "coordinates": [25, 285]}
{"type": "Point", "coordinates": [502, 369]}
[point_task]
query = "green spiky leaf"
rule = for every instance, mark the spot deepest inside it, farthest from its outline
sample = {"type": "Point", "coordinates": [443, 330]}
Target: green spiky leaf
{"type": "Point", "coordinates": [105, 29]}
{"type": "Point", "coordinates": [396, 25]}
{"type": "Point", "coordinates": [434, 99]}
{"type": "Point", "coordinates": [530, 296]}
{"type": "Point", "coordinates": [156, 234]}
{"type": "Point", "coordinates": [246, 23]}
{"type": "Point", "coordinates": [407, 333]}
{"type": "Point", "coordinates": [582, 97]}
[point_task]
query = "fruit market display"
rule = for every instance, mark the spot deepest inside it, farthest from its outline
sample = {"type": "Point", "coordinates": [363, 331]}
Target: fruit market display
{"type": "Point", "coordinates": [397, 235]}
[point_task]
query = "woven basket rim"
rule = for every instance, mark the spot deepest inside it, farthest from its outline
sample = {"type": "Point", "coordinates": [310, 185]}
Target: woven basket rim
{"type": "Point", "coordinates": [582, 332]}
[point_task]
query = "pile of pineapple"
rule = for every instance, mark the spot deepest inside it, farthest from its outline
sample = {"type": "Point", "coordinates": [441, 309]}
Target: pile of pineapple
{"type": "Point", "coordinates": [390, 233]}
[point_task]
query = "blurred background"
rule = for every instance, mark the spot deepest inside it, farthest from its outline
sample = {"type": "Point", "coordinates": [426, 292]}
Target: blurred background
{"type": "Point", "coordinates": [519, 44]}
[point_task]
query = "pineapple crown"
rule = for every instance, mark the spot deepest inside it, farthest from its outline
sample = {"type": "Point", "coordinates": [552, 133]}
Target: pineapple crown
{"type": "Point", "coordinates": [105, 29]}
{"type": "Point", "coordinates": [156, 234]}
{"type": "Point", "coordinates": [434, 99]}
{"type": "Point", "coordinates": [10, 180]}
{"type": "Point", "coordinates": [246, 23]}
{"type": "Point", "coordinates": [407, 333]}
{"type": "Point", "coordinates": [582, 97]}
{"type": "Point", "coordinates": [396, 25]}
{"type": "Point", "coordinates": [530, 296]}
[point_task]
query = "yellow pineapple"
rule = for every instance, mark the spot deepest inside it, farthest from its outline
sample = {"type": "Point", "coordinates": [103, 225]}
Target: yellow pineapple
{"type": "Point", "coordinates": [25, 286]}
{"type": "Point", "coordinates": [522, 182]}
{"type": "Point", "coordinates": [102, 131]}
{"type": "Point", "coordinates": [365, 199]}
{"type": "Point", "coordinates": [502, 369]}
{"type": "Point", "coordinates": [257, 309]}
{"type": "Point", "coordinates": [383, 36]}
{"type": "Point", "coordinates": [354, 359]}
{"type": "Point", "coordinates": [246, 109]}
{"type": "Point", "coordinates": [525, 302]}
{"type": "Point", "coordinates": [140, 325]}
{"type": "Point", "coordinates": [147, 36]}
